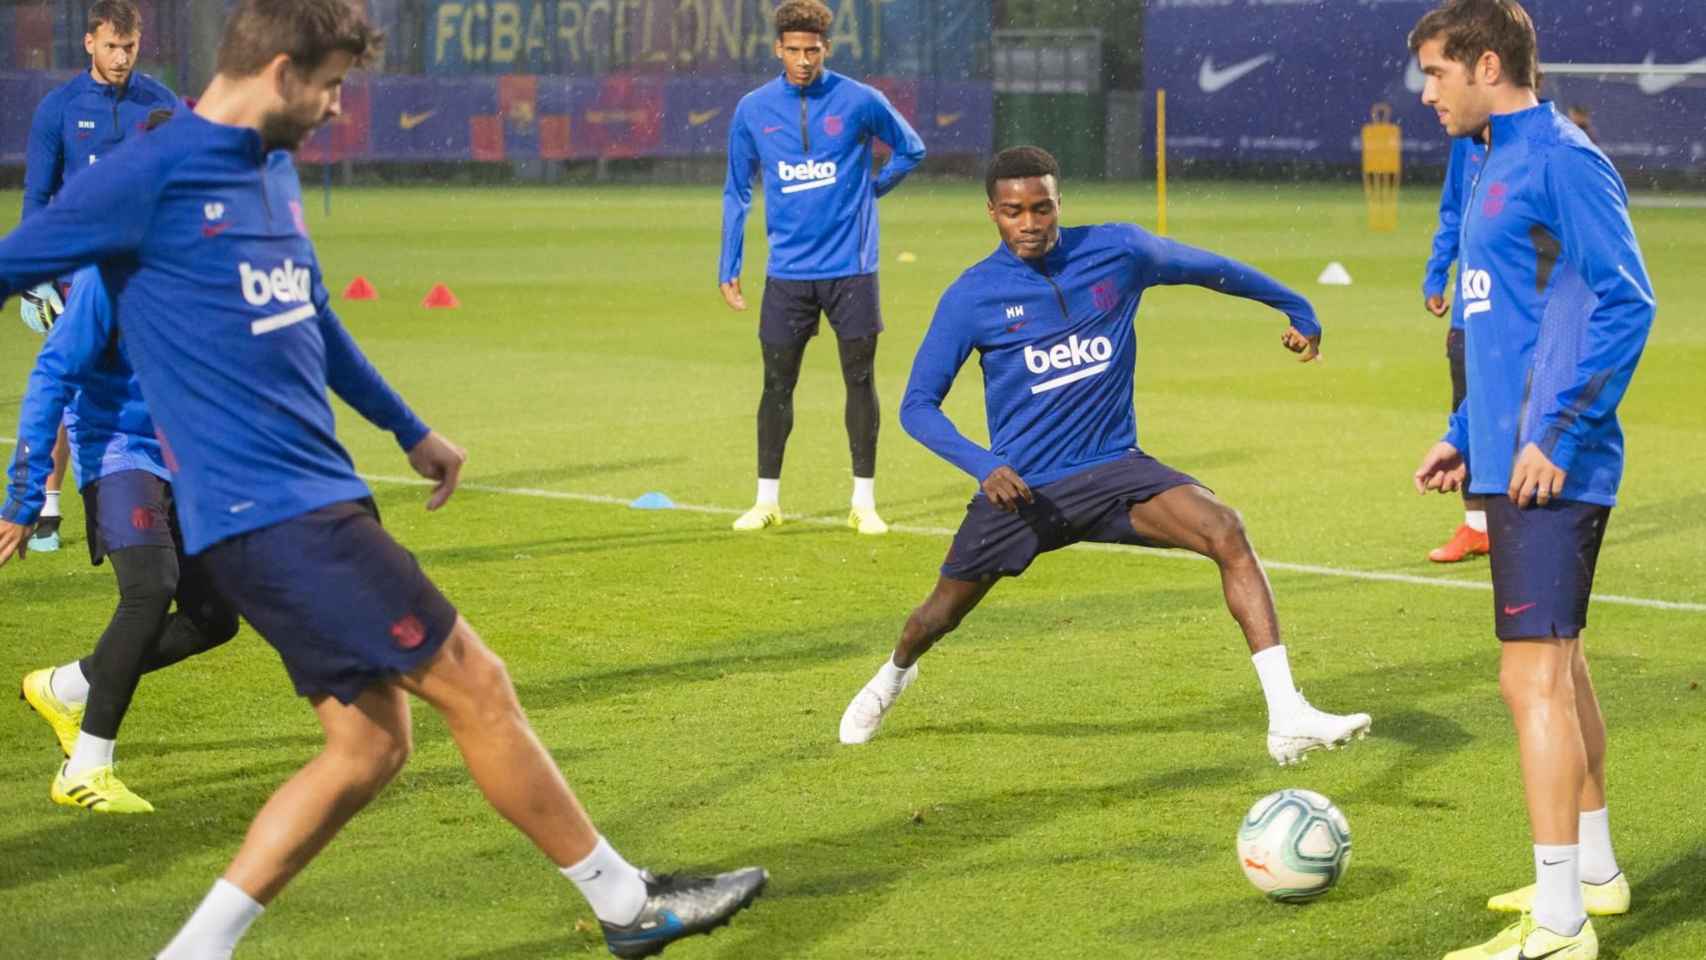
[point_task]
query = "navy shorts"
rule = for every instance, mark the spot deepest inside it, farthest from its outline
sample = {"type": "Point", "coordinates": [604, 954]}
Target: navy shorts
{"type": "Point", "coordinates": [131, 508]}
{"type": "Point", "coordinates": [1092, 505]}
{"type": "Point", "coordinates": [344, 605]}
{"type": "Point", "coordinates": [1543, 560]}
{"type": "Point", "coordinates": [789, 312]}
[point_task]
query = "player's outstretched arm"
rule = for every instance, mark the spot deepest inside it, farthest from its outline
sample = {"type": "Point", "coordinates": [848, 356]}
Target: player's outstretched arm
{"type": "Point", "coordinates": [1169, 262]}
{"type": "Point", "coordinates": [439, 460]}
{"type": "Point", "coordinates": [354, 379]}
{"type": "Point", "coordinates": [100, 215]}
{"type": "Point", "coordinates": [944, 350]}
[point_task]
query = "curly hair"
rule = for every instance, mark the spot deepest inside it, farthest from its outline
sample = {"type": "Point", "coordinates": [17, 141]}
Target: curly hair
{"type": "Point", "coordinates": [803, 16]}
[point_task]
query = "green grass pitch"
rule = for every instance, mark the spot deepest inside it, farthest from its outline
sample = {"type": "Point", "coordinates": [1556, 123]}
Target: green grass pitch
{"type": "Point", "coordinates": [1067, 776]}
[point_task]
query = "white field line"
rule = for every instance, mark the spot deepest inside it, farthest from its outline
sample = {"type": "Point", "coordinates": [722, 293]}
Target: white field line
{"type": "Point", "coordinates": [1310, 568]}
{"type": "Point", "coordinates": [835, 521]}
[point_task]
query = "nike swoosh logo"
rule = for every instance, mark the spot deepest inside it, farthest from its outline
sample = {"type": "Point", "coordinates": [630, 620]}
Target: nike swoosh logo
{"type": "Point", "coordinates": [214, 229]}
{"type": "Point", "coordinates": [1553, 863]}
{"type": "Point", "coordinates": [698, 118]}
{"type": "Point", "coordinates": [948, 119]}
{"type": "Point", "coordinates": [1014, 327]}
{"type": "Point", "coordinates": [409, 121]}
{"type": "Point", "coordinates": [1656, 83]}
{"type": "Point", "coordinates": [1513, 611]}
{"type": "Point", "coordinates": [769, 130]}
{"type": "Point", "coordinates": [1414, 78]}
{"type": "Point", "coordinates": [1212, 80]}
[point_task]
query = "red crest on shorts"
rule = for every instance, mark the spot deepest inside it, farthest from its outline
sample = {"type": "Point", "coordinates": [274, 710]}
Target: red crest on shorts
{"type": "Point", "coordinates": [141, 518]}
{"type": "Point", "coordinates": [832, 125]}
{"type": "Point", "coordinates": [408, 632]}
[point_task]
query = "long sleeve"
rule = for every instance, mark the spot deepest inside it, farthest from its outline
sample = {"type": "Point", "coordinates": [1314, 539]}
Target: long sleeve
{"type": "Point", "coordinates": [100, 215]}
{"type": "Point", "coordinates": [1457, 427]}
{"type": "Point", "coordinates": [737, 195]}
{"type": "Point", "coordinates": [891, 128]}
{"type": "Point", "coordinates": [1438, 273]}
{"type": "Point", "coordinates": [358, 383]}
{"type": "Point", "coordinates": [944, 350]}
{"type": "Point", "coordinates": [44, 157]}
{"type": "Point", "coordinates": [1599, 243]}
{"type": "Point", "coordinates": [1172, 262]}
{"type": "Point", "coordinates": [73, 347]}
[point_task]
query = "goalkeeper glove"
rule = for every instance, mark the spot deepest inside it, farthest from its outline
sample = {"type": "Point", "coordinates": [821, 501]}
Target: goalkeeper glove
{"type": "Point", "coordinates": [41, 307]}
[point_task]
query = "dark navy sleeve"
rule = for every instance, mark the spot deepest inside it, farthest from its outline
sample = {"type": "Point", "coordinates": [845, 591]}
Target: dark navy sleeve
{"type": "Point", "coordinates": [44, 157]}
{"type": "Point", "coordinates": [1599, 242]}
{"type": "Point", "coordinates": [737, 194]}
{"type": "Point", "coordinates": [944, 350]}
{"type": "Point", "coordinates": [73, 348]}
{"type": "Point", "coordinates": [355, 380]}
{"type": "Point", "coordinates": [1438, 273]}
{"type": "Point", "coordinates": [891, 128]}
{"type": "Point", "coordinates": [1168, 262]}
{"type": "Point", "coordinates": [101, 214]}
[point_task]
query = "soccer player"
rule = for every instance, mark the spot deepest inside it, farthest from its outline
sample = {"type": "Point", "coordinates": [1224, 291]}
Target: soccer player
{"type": "Point", "coordinates": [74, 126]}
{"type": "Point", "coordinates": [810, 132]}
{"type": "Point", "coordinates": [222, 308]}
{"type": "Point", "coordinates": [127, 493]}
{"type": "Point", "coordinates": [1467, 154]}
{"type": "Point", "coordinates": [1050, 314]}
{"type": "Point", "coordinates": [1557, 308]}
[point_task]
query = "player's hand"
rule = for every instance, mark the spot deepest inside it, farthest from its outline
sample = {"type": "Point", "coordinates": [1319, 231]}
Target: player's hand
{"type": "Point", "coordinates": [1294, 340]}
{"type": "Point", "coordinates": [1006, 489]}
{"type": "Point", "coordinates": [1437, 304]}
{"type": "Point", "coordinates": [731, 294]}
{"type": "Point", "coordinates": [14, 539]}
{"type": "Point", "coordinates": [438, 459]}
{"type": "Point", "coordinates": [41, 307]}
{"type": "Point", "coordinates": [1442, 469]}
{"type": "Point", "coordinates": [1534, 479]}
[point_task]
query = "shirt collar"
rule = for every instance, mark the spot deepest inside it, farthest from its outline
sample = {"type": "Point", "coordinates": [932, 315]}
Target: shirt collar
{"type": "Point", "coordinates": [1510, 127]}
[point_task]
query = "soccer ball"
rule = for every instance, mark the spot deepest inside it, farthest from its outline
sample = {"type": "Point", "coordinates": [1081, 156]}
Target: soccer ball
{"type": "Point", "coordinates": [1294, 845]}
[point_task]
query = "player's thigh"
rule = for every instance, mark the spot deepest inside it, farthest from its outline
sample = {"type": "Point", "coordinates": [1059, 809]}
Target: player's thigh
{"type": "Point", "coordinates": [373, 728]}
{"type": "Point", "coordinates": [788, 312]}
{"type": "Point", "coordinates": [1188, 517]}
{"type": "Point", "coordinates": [463, 674]}
{"type": "Point", "coordinates": [853, 304]}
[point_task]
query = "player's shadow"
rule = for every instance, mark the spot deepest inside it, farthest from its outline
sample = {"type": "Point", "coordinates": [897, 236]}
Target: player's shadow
{"type": "Point", "coordinates": [536, 478]}
{"type": "Point", "coordinates": [1662, 900]}
{"type": "Point", "coordinates": [531, 550]}
{"type": "Point", "coordinates": [309, 743]}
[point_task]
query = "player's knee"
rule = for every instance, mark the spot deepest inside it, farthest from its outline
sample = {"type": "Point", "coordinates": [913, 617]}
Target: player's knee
{"type": "Point", "coordinates": [371, 763]}
{"type": "Point", "coordinates": [487, 687]}
{"type": "Point", "coordinates": [1226, 538]}
{"type": "Point", "coordinates": [1531, 683]}
{"type": "Point", "coordinates": [217, 623]}
{"type": "Point", "coordinates": [935, 620]}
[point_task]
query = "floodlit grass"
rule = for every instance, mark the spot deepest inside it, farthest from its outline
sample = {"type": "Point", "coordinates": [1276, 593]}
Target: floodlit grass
{"type": "Point", "coordinates": [1066, 778]}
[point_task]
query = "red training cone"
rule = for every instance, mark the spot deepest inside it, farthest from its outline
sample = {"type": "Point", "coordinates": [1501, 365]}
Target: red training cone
{"type": "Point", "coordinates": [360, 289]}
{"type": "Point", "coordinates": [440, 296]}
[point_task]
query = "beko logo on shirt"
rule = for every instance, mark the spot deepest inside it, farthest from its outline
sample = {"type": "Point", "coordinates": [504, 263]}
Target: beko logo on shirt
{"type": "Point", "coordinates": [805, 176]}
{"type": "Point", "coordinates": [1085, 358]}
{"type": "Point", "coordinates": [1477, 292]}
{"type": "Point", "coordinates": [286, 284]}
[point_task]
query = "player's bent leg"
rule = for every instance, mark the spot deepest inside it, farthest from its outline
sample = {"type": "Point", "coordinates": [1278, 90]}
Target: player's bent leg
{"type": "Point", "coordinates": [367, 742]}
{"type": "Point", "coordinates": [932, 620]}
{"type": "Point", "coordinates": [470, 687]}
{"type": "Point", "coordinates": [1192, 518]}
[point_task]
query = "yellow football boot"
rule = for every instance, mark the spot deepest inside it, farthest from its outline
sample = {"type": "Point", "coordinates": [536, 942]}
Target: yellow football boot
{"type": "Point", "coordinates": [865, 520]}
{"type": "Point", "coordinates": [65, 719]}
{"type": "Point", "coordinates": [1607, 899]}
{"type": "Point", "coordinates": [98, 789]}
{"type": "Point", "coordinates": [1528, 940]}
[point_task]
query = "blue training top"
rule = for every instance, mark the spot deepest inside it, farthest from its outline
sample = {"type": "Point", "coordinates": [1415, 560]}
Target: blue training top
{"type": "Point", "coordinates": [813, 145]}
{"type": "Point", "coordinates": [1464, 165]}
{"type": "Point", "coordinates": [1056, 342]}
{"type": "Point", "coordinates": [1557, 307]}
{"type": "Point", "coordinates": [82, 121]}
{"type": "Point", "coordinates": [223, 311]}
{"type": "Point", "coordinates": [81, 370]}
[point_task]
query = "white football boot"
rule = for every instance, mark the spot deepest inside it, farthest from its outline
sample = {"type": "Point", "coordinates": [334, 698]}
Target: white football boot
{"type": "Point", "coordinates": [1306, 729]}
{"type": "Point", "coordinates": [864, 715]}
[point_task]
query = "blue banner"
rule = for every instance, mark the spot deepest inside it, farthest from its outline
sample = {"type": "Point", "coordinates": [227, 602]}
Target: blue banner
{"type": "Point", "coordinates": [1296, 79]}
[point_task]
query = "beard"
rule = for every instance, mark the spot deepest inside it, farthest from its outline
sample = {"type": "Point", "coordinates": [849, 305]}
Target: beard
{"type": "Point", "coordinates": [285, 130]}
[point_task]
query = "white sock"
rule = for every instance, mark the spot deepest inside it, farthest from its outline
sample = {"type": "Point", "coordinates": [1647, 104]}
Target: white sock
{"type": "Point", "coordinates": [609, 883]}
{"type": "Point", "coordinates": [889, 676]}
{"type": "Point", "coordinates": [865, 492]}
{"type": "Point", "coordinates": [51, 509]}
{"type": "Point", "coordinates": [1599, 864]}
{"type": "Point", "coordinates": [769, 491]}
{"type": "Point", "coordinates": [90, 752]}
{"type": "Point", "coordinates": [1274, 670]}
{"type": "Point", "coordinates": [1558, 894]}
{"type": "Point", "coordinates": [1476, 519]}
{"type": "Point", "coordinates": [214, 929]}
{"type": "Point", "coordinates": [68, 684]}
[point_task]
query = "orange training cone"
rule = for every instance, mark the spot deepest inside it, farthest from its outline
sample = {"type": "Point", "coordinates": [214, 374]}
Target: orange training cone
{"type": "Point", "coordinates": [440, 296]}
{"type": "Point", "coordinates": [360, 289]}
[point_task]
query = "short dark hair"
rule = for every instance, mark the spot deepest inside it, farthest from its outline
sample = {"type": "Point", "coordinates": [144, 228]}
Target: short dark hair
{"type": "Point", "coordinates": [1473, 27]}
{"type": "Point", "coordinates": [1017, 162]}
{"type": "Point", "coordinates": [307, 31]}
{"type": "Point", "coordinates": [121, 15]}
{"type": "Point", "coordinates": [803, 16]}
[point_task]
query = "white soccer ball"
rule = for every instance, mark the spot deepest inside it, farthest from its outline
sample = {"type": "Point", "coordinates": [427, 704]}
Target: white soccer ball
{"type": "Point", "coordinates": [1294, 845]}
